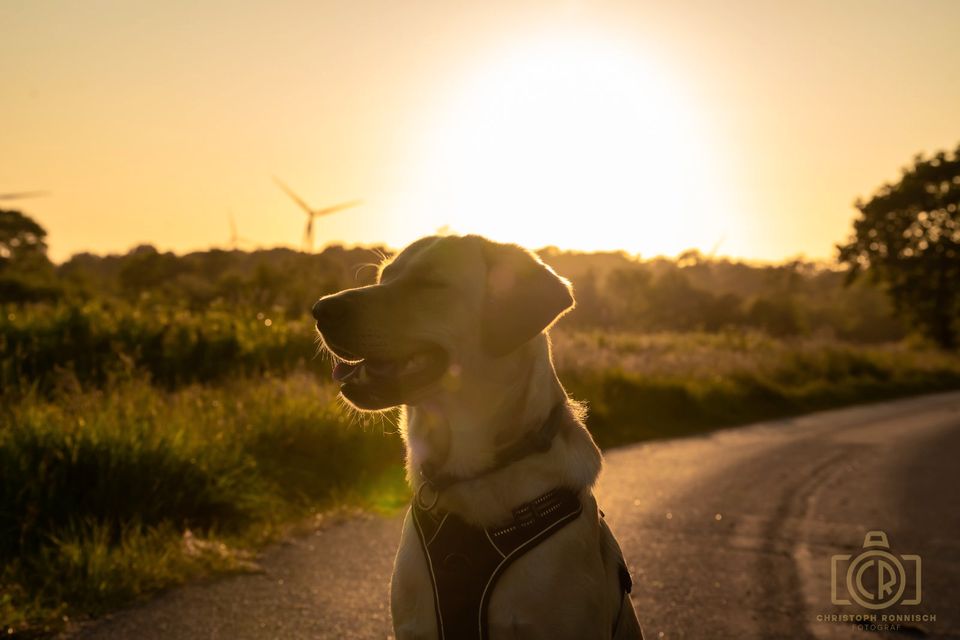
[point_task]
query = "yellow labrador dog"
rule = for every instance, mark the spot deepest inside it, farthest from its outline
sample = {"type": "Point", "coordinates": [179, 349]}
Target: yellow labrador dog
{"type": "Point", "coordinates": [504, 538]}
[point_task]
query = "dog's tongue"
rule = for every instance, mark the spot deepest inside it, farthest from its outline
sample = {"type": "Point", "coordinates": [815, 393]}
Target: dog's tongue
{"type": "Point", "coordinates": [343, 370]}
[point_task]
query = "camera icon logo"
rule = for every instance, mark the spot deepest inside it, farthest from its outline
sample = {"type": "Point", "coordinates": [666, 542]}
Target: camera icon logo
{"type": "Point", "coordinates": [875, 579]}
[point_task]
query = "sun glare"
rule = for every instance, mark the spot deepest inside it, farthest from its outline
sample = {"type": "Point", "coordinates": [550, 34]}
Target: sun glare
{"type": "Point", "coordinates": [572, 142]}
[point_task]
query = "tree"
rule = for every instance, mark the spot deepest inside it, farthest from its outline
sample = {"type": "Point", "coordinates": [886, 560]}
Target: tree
{"type": "Point", "coordinates": [908, 238]}
{"type": "Point", "coordinates": [21, 238]}
{"type": "Point", "coordinates": [26, 273]}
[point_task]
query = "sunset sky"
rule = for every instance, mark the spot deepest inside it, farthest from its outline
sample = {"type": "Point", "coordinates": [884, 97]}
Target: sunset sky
{"type": "Point", "coordinates": [746, 127]}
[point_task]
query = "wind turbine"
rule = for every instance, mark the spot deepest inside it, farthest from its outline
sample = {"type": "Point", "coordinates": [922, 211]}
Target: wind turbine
{"type": "Point", "coordinates": [235, 238]}
{"type": "Point", "coordinates": [312, 213]}
{"type": "Point", "coordinates": [716, 246]}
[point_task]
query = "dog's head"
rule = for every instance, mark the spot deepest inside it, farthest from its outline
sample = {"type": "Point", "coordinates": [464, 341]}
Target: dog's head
{"type": "Point", "coordinates": [441, 306]}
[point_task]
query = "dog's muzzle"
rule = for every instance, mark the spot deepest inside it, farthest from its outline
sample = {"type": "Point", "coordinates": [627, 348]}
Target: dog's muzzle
{"type": "Point", "coordinates": [374, 380]}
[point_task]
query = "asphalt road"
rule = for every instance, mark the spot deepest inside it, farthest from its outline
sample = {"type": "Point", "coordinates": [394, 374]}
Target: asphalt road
{"type": "Point", "coordinates": [728, 535]}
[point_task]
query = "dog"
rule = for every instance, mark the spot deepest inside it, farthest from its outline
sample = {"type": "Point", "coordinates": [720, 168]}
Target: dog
{"type": "Point", "coordinates": [504, 538]}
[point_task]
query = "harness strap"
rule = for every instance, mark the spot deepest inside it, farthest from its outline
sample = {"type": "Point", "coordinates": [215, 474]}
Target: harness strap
{"type": "Point", "coordinates": [465, 561]}
{"type": "Point", "coordinates": [623, 574]}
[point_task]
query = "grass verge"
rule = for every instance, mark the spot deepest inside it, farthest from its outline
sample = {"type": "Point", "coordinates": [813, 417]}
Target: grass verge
{"type": "Point", "coordinates": [111, 494]}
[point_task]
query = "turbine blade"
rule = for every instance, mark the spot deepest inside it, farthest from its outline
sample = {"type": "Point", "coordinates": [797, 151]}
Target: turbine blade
{"type": "Point", "coordinates": [287, 190]}
{"type": "Point", "coordinates": [716, 246]}
{"type": "Point", "coordinates": [338, 207]}
{"type": "Point", "coordinates": [22, 194]}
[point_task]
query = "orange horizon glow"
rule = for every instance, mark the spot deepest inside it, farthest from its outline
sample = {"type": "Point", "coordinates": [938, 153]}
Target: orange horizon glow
{"type": "Point", "coordinates": [745, 130]}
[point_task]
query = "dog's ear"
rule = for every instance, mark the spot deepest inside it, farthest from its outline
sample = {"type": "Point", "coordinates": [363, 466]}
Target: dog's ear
{"type": "Point", "coordinates": [523, 297]}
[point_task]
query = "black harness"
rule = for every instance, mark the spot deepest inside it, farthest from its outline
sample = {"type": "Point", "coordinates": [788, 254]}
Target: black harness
{"type": "Point", "coordinates": [465, 561]}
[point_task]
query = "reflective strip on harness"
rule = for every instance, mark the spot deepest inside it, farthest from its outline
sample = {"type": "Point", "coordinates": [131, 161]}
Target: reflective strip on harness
{"type": "Point", "coordinates": [465, 561]}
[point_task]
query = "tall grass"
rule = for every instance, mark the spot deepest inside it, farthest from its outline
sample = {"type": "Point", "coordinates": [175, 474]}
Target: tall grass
{"type": "Point", "coordinates": [41, 345]}
{"type": "Point", "coordinates": [98, 487]}
{"type": "Point", "coordinates": [112, 491]}
{"type": "Point", "coordinates": [640, 387]}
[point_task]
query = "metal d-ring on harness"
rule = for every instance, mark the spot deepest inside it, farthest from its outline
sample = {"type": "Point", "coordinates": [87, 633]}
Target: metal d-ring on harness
{"type": "Point", "coordinates": [465, 561]}
{"type": "Point", "coordinates": [426, 484]}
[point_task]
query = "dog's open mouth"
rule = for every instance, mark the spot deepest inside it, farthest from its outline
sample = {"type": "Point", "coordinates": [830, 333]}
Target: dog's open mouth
{"type": "Point", "coordinates": [378, 383]}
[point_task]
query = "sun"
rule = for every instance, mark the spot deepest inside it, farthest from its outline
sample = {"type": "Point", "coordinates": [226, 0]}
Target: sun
{"type": "Point", "coordinates": [575, 142]}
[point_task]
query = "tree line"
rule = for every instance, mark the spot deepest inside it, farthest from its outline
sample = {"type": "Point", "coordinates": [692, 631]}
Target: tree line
{"type": "Point", "coordinates": [615, 291]}
{"type": "Point", "coordinates": [905, 241]}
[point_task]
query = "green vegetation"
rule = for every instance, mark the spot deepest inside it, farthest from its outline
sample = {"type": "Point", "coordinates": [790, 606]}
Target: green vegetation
{"type": "Point", "coordinates": [110, 493]}
{"type": "Point", "coordinates": [163, 416]}
{"type": "Point", "coordinates": [43, 346]}
{"type": "Point", "coordinates": [641, 387]}
{"type": "Point", "coordinates": [615, 291]}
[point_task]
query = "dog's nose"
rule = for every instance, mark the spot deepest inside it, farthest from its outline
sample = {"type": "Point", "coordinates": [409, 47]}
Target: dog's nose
{"type": "Point", "coordinates": [329, 309]}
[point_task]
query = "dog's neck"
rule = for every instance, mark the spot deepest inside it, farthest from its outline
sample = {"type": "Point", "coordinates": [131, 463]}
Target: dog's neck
{"type": "Point", "coordinates": [460, 434]}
